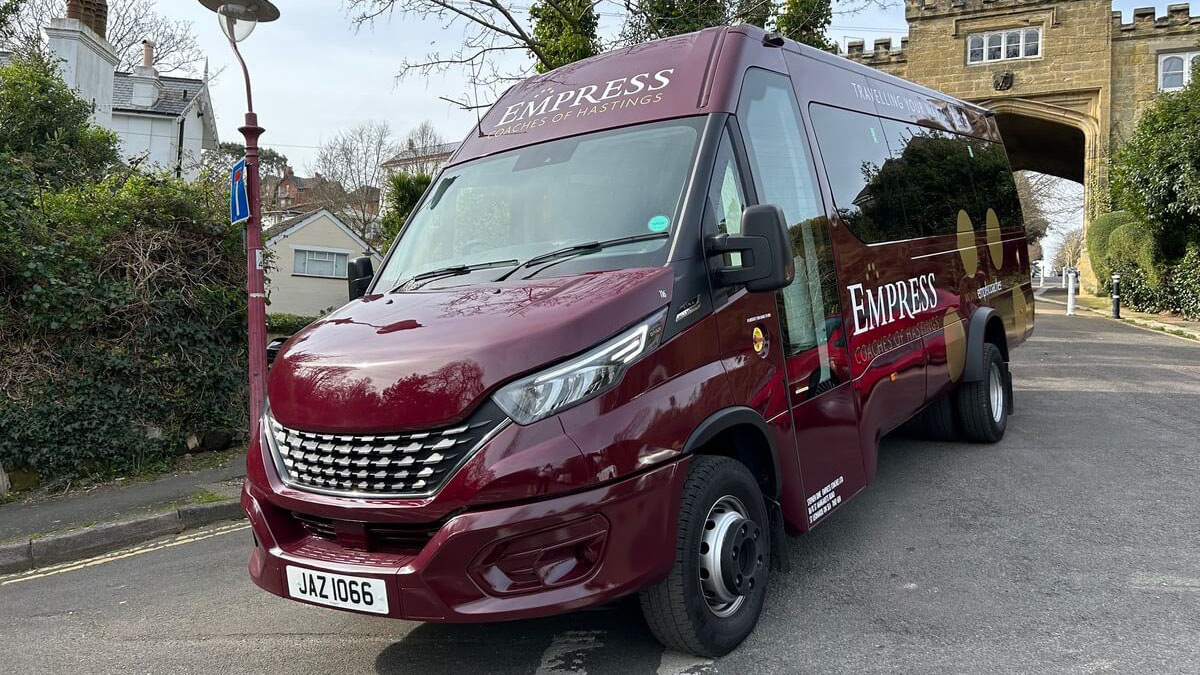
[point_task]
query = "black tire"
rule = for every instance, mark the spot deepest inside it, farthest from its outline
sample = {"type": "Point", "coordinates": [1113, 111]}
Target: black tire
{"type": "Point", "coordinates": [938, 421]}
{"type": "Point", "coordinates": [675, 608]}
{"type": "Point", "coordinates": [977, 414]}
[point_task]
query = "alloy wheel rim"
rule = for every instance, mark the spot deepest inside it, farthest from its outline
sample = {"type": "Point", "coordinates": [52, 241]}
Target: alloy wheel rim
{"type": "Point", "coordinates": [996, 393]}
{"type": "Point", "coordinates": [729, 556]}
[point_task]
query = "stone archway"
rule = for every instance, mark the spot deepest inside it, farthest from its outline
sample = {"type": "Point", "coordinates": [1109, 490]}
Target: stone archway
{"type": "Point", "coordinates": [1055, 140]}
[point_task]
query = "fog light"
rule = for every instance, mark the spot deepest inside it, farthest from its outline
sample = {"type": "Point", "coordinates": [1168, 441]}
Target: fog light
{"type": "Point", "coordinates": [546, 559]}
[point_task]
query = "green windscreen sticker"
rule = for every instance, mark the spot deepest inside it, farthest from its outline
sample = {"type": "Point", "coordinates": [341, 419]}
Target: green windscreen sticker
{"type": "Point", "coordinates": [658, 224]}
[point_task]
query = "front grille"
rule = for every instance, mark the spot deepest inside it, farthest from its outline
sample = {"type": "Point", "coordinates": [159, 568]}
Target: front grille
{"type": "Point", "coordinates": [392, 465]}
{"type": "Point", "coordinates": [407, 538]}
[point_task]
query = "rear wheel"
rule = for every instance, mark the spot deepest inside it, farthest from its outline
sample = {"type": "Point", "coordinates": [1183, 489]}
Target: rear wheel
{"type": "Point", "coordinates": [938, 421]}
{"type": "Point", "coordinates": [713, 596]}
{"type": "Point", "coordinates": [983, 406]}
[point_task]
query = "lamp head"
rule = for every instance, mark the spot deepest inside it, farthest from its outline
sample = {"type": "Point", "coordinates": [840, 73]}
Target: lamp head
{"type": "Point", "coordinates": [239, 17]}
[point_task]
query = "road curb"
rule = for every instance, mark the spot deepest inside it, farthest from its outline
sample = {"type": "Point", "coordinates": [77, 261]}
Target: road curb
{"type": "Point", "coordinates": [75, 544]}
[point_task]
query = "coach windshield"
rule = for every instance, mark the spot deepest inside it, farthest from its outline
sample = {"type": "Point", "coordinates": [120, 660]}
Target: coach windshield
{"type": "Point", "coordinates": [489, 218]}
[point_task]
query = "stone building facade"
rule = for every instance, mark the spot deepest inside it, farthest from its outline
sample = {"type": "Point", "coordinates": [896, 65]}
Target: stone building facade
{"type": "Point", "coordinates": [1066, 78]}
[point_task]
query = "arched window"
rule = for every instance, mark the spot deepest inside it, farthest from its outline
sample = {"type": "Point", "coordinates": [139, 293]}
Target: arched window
{"type": "Point", "coordinates": [1033, 42]}
{"type": "Point", "coordinates": [1175, 70]}
{"type": "Point", "coordinates": [975, 49]}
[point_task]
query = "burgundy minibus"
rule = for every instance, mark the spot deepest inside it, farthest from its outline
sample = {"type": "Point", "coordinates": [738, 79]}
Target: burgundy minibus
{"type": "Point", "coordinates": [656, 312]}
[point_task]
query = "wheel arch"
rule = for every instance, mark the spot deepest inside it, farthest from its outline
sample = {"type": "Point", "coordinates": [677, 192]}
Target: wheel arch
{"type": "Point", "coordinates": [742, 434]}
{"type": "Point", "coordinates": [985, 326]}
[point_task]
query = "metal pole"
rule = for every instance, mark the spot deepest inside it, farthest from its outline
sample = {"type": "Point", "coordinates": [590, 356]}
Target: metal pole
{"type": "Point", "coordinates": [1116, 295]}
{"type": "Point", "coordinates": [1041, 274]}
{"type": "Point", "coordinates": [256, 306]}
{"type": "Point", "coordinates": [1063, 279]}
{"type": "Point", "coordinates": [1071, 293]}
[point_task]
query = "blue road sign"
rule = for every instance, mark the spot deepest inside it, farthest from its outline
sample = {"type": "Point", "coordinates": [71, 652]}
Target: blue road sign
{"type": "Point", "coordinates": [239, 200]}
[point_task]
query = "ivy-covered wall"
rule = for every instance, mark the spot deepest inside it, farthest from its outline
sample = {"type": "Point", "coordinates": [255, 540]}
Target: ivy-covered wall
{"type": "Point", "coordinates": [122, 308]}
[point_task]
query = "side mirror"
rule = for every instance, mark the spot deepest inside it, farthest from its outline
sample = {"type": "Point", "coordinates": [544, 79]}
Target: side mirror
{"type": "Point", "coordinates": [765, 248]}
{"type": "Point", "coordinates": [359, 273]}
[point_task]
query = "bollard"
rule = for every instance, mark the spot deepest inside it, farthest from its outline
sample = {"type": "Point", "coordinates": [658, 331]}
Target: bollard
{"type": "Point", "coordinates": [1063, 279]}
{"type": "Point", "coordinates": [1116, 295]}
{"type": "Point", "coordinates": [1070, 292]}
{"type": "Point", "coordinates": [1041, 274]}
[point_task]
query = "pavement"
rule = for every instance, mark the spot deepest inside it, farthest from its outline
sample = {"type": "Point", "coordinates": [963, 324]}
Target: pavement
{"type": "Point", "coordinates": [1070, 547]}
{"type": "Point", "coordinates": [48, 529]}
{"type": "Point", "coordinates": [1086, 303]}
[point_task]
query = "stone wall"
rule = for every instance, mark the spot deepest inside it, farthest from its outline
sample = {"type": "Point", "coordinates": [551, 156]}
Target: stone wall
{"type": "Point", "coordinates": [1135, 50]}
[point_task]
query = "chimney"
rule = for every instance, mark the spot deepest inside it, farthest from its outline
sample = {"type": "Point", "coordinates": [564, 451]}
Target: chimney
{"type": "Point", "coordinates": [147, 53]}
{"type": "Point", "coordinates": [91, 13]}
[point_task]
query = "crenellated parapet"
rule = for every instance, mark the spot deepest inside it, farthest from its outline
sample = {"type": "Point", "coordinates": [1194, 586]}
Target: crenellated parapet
{"type": "Point", "coordinates": [918, 10]}
{"type": "Point", "coordinates": [1146, 23]}
{"type": "Point", "coordinates": [883, 51]}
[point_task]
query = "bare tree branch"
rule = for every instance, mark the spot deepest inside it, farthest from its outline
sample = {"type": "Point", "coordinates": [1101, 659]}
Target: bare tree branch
{"type": "Point", "coordinates": [129, 23]}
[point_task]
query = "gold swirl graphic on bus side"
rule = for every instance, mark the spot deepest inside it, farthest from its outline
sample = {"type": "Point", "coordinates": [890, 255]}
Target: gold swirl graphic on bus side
{"type": "Point", "coordinates": [966, 244]}
{"type": "Point", "coordinates": [995, 246]}
{"type": "Point", "coordinates": [1020, 310]}
{"type": "Point", "coordinates": [956, 344]}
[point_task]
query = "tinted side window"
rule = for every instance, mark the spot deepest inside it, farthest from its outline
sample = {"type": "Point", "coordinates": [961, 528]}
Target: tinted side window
{"type": "Point", "coordinates": [770, 121]}
{"type": "Point", "coordinates": [930, 171]}
{"type": "Point", "coordinates": [994, 185]}
{"type": "Point", "coordinates": [856, 157]}
{"type": "Point", "coordinates": [784, 175]}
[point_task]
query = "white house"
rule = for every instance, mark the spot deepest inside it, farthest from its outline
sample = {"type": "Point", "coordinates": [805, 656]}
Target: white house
{"type": "Point", "coordinates": [309, 254]}
{"type": "Point", "coordinates": [164, 121]}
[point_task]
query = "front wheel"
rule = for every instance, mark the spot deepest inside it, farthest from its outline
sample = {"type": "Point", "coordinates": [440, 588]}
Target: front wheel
{"type": "Point", "coordinates": [714, 594]}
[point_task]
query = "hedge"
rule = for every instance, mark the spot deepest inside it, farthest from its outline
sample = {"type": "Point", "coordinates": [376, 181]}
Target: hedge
{"type": "Point", "coordinates": [288, 324]}
{"type": "Point", "coordinates": [1097, 239]}
{"type": "Point", "coordinates": [125, 326]}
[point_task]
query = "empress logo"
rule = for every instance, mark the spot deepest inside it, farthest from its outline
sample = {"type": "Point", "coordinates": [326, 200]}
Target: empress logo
{"type": "Point", "coordinates": [549, 101]}
{"type": "Point", "coordinates": [884, 304]}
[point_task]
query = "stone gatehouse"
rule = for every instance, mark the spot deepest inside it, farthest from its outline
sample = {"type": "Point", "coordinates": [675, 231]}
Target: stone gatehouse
{"type": "Point", "coordinates": [1066, 78]}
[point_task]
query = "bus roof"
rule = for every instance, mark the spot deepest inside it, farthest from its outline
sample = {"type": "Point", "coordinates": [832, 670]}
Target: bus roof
{"type": "Point", "coordinates": [692, 74]}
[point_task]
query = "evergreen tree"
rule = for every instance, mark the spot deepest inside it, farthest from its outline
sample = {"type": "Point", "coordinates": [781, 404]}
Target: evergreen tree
{"type": "Point", "coordinates": [566, 30]}
{"type": "Point", "coordinates": [806, 21]}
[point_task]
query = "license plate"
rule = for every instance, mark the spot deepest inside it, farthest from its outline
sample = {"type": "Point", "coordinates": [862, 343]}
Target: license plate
{"type": "Point", "coordinates": [337, 590]}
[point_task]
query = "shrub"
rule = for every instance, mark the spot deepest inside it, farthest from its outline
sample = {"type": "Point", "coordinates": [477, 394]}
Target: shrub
{"type": "Point", "coordinates": [1098, 234]}
{"type": "Point", "coordinates": [124, 326]}
{"type": "Point", "coordinates": [1156, 174]}
{"type": "Point", "coordinates": [287, 324]}
{"type": "Point", "coordinates": [1132, 243]}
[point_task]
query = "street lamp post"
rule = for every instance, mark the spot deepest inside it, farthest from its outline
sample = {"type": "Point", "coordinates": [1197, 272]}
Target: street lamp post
{"type": "Point", "coordinates": [238, 19]}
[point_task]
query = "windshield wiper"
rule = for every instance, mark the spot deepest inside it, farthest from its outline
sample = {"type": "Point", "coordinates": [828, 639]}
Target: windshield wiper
{"type": "Point", "coordinates": [451, 271]}
{"type": "Point", "coordinates": [558, 255]}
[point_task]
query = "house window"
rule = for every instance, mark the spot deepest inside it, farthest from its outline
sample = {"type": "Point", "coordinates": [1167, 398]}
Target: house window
{"type": "Point", "coordinates": [1175, 69]}
{"type": "Point", "coordinates": [1004, 45]}
{"type": "Point", "coordinates": [319, 263]}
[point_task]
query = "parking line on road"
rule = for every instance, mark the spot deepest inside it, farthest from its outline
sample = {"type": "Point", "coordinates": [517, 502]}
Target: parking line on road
{"type": "Point", "coordinates": [565, 653]}
{"type": "Point", "coordinates": [675, 663]}
{"type": "Point", "coordinates": [120, 555]}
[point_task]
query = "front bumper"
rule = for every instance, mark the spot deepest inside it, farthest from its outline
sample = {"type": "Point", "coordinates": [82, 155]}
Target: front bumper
{"type": "Point", "coordinates": [629, 526]}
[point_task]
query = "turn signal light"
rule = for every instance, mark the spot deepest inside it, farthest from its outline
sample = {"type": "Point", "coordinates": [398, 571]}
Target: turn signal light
{"type": "Point", "coordinates": [541, 560]}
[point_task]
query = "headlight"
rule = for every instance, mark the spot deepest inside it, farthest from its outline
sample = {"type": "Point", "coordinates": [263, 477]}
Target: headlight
{"type": "Point", "coordinates": [541, 395]}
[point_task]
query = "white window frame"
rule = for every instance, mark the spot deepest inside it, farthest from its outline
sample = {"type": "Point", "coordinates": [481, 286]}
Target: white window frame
{"type": "Point", "coordinates": [302, 250]}
{"type": "Point", "coordinates": [1187, 57]}
{"type": "Point", "coordinates": [987, 37]}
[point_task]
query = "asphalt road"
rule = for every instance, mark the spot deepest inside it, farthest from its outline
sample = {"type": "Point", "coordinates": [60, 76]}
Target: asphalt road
{"type": "Point", "coordinates": [1071, 547]}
